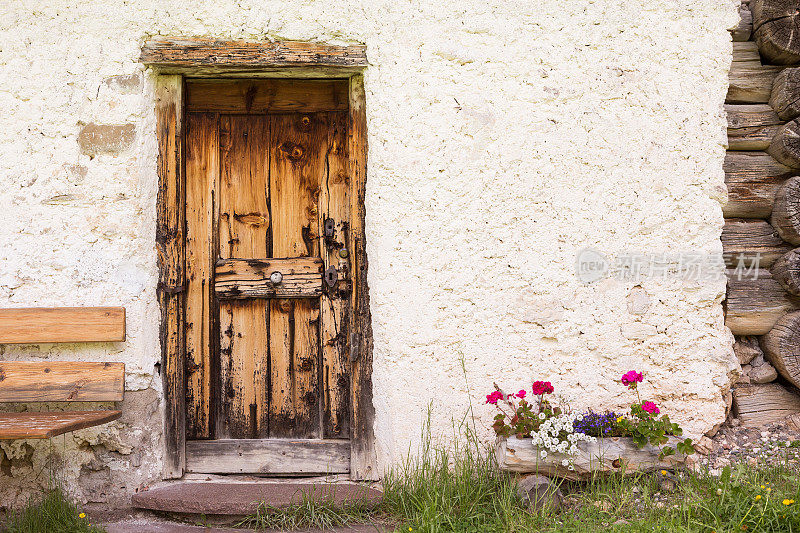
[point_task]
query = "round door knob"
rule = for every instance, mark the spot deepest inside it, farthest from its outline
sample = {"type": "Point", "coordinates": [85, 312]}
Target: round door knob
{"type": "Point", "coordinates": [275, 278]}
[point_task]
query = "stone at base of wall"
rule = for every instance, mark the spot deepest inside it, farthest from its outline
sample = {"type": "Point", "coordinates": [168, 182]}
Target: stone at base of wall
{"type": "Point", "coordinates": [105, 464]}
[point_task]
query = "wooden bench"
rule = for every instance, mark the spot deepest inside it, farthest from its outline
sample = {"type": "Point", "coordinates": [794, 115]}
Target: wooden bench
{"type": "Point", "coordinates": [57, 382]}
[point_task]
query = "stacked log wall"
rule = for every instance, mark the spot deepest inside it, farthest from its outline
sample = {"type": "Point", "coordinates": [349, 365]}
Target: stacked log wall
{"type": "Point", "coordinates": [761, 237]}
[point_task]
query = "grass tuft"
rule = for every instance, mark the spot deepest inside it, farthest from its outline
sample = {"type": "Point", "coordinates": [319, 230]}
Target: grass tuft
{"type": "Point", "coordinates": [451, 488]}
{"type": "Point", "coordinates": [310, 513]}
{"type": "Point", "coordinates": [53, 512]}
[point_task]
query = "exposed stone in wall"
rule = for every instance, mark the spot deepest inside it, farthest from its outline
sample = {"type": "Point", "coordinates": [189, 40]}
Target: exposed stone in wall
{"type": "Point", "coordinates": [124, 83]}
{"type": "Point", "coordinates": [95, 139]}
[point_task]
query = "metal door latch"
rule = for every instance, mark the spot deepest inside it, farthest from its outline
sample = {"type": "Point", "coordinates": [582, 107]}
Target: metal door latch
{"type": "Point", "coordinates": [330, 227]}
{"type": "Point", "coordinates": [331, 277]}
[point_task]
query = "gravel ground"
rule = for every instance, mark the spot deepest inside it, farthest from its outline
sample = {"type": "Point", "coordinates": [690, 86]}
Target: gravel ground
{"type": "Point", "coordinates": [773, 444]}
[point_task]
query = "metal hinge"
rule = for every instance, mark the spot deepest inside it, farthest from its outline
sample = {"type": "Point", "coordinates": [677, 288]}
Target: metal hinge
{"type": "Point", "coordinates": [170, 289]}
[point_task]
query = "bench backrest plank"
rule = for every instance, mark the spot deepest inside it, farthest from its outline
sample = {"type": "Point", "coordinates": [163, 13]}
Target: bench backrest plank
{"type": "Point", "coordinates": [62, 324]}
{"type": "Point", "coordinates": [61, 381]}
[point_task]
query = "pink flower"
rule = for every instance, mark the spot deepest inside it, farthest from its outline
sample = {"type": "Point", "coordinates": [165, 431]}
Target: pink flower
{"type": "Point", "coordinates": [650, 407]}
{"type": "Point", "coordinates": [542, 387]}
{"type": "Point", "coordinates": [631, 378]}
{"type": "Point", "coordinates": [494, 397]}
{"type": "Point", "coordinates": [521, 394]}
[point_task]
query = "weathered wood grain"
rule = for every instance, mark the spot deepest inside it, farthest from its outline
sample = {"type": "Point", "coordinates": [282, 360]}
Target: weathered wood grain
{"type": "Point", "coordinates": [268, 456]}
{"type": "Point", "coordinates": [363, 455]}
{"type": "Point", "coordinates": [170, 246]}
{"type": "Point", "coordinates": [750, 82]}
{"type": "Point", "coordinates": [266, 96]}
{"type": "Point", "coordinates": [612, 455]}
{"type": "Point", "coordinates": [744, 28]}
{"type": "Point", "coordinates": [753, 306]}
{"type": "Point", "coordinates": [745, 241]}
{"type": "Point", "coordinates": [785, 145]}
{"type": "Point", "coordinates": [785, 94]}
{"type": "Point", "coordinates": [61, 381]}
{"type": "Point", "coordinates": [62, 324]}
{"type": "Point", "coordinates": [335, 302]}
{"type": "Point", "coordinates": [753, 179]}
{"type": "Point", "coordinates": [250, 278]}
{"type": "Point", "coordinates": [244, 224]}
{"type": "Point", "coordinates": [782, 347]}
{"type": "Point", "coordinates": [786, 212]}
{"type": "Point", "coordinates": [759, 405]}
{"type": "Point", "coordinates": [745, 52]}
{"type": "Point", "coordinates": [297, 166]}
{"type": "Point", "coordinates": [166, 52]}
{"type": "Point", "coordinates": [202, 176]}
{"type": "Point", "coordinates": [44, 425]}
{"type": "Point", "coordinates": [776, 28]}
{"type": "Point", "coordinates": [786, 271]}
{"type": "Point", "coordinates": [751, 127]}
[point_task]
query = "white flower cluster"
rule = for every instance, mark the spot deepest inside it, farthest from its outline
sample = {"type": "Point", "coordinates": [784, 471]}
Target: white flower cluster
{"type": "Point", "coordinates": [557, 435]}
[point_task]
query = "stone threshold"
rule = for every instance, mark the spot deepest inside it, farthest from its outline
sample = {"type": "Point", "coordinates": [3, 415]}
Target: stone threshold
{"type": "Point", "coordinates": [230, 497]}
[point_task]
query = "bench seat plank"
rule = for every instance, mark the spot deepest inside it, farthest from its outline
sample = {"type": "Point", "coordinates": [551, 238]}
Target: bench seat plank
{"type": "Point", "coordinates": [43, 425]}
{"type": "Point", "coordinates": [62, 324]}
{"type": "Point", "coordinates": [61, 381]}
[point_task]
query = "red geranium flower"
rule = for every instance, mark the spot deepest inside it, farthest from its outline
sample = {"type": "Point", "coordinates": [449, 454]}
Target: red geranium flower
{"type": "Point", "coordinates": [521, 394]}
{"type": "Point", "coordinates": [542, 387]}
{"type": "Point", "coordinates": [650, 407]}
{"type": "Point", "coordinates": [494, 397]}
{"type": "Point", "coordinates": [631, 378]}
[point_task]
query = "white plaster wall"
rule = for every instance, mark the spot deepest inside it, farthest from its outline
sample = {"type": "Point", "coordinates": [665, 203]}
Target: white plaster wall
{"type": "Point", "coordinates": [504, 136]}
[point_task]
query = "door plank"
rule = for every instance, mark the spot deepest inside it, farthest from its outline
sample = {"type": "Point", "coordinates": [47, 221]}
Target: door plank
{"type": "Point", "coordinates": [297, 163]}
{"type": "Point", "coordinates": [250, 278]}
{"type": "Point", "coordinates": [170, 246]}
{"type": "Point", "coordinates": [266, 96]}
{"type": "Point", "coordinates": [363, 464]}
{"type": "Point", "coordinates": [334, 304]}
{"type": "Point", "coordinates": [244, 224]}
{"type": "Point", "coordinates": [202, 175]}
{"type": "Point", "coordinates": [61, 381]}
{"type": "Point", "coordinates": [268, 456]}
{"type": "Point", "coordinates": [62, 324]}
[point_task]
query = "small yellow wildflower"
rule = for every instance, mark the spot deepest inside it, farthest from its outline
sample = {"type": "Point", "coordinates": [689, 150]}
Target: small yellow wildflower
{"type": "Point", "coordinates": [763, 487]}
{"type": "Point", "coordinates": [788, 502]}
{"type": "Point", "coordinates": [768, 489]}
{"type": "Point", "coordinates": [758, 497]}
{"type": "Point", "coordinates": [82, 515]}
{"type": "Point", "coordinates": [410, 528]}
{"type": "Point", "coordinates": [663, 472]}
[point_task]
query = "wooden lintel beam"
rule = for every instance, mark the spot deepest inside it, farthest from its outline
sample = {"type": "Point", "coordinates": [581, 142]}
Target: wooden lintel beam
{"type": "Point", "coordinates": [177, 52]}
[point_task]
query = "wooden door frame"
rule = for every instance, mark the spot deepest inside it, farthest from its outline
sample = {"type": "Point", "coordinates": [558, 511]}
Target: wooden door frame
{"type": "Point", "coordinates": [172, 59]}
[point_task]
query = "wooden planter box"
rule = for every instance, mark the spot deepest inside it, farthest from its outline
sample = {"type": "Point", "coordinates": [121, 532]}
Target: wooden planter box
{"type": "Point", "coordinates": [611, 454]}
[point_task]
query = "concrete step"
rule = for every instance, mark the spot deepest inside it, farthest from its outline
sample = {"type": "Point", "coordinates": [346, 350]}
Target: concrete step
{"type": "Point", "coordinates": [242, 499]}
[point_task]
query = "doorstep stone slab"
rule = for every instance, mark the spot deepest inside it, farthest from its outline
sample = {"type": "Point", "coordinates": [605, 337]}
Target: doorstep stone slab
{"type": "Point", "coordinates": [148, 527]}
{"type": "Point", "coordinates": [152, 527]}
{"type": "Point", "coordinates": [241, 499]}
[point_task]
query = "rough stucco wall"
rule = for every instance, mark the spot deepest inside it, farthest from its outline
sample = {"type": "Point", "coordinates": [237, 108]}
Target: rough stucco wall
{"type": "Point", "coordinates": [503, 138]}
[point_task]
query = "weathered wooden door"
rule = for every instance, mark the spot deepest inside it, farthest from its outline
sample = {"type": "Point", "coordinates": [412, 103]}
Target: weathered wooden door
{"type": "Point", "coordinates": [267, 272]}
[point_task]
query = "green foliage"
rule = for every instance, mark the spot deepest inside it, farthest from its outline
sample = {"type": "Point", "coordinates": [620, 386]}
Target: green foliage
{"type": "Point", "coordinates": [52, 513]}
{"type": "Point", "coordinates": [522, 419]}
{"type": "Point", "coordinates": [644, 428]}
